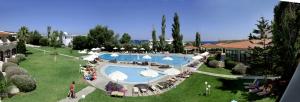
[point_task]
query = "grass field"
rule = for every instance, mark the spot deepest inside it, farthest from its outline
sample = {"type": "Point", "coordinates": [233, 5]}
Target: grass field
{"type": "Point", "coordinates": [205, 68]}
{"type": "Point", "coordinates": [67, 51]}
{"type": "Point", "coordinates": [53, 78]}
{"type": "Point", "coordinates": [191, 90]}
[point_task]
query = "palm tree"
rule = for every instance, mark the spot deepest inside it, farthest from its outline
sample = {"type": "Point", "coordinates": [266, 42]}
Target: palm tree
{"type": "Point", "coordinates": [54, 42]}
{"type": "Point", "coordinates": [23, 33]}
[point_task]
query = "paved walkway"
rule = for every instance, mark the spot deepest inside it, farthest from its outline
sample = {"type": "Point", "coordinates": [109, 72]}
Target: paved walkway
{"type": "Point", "coordinates": [85, 91]}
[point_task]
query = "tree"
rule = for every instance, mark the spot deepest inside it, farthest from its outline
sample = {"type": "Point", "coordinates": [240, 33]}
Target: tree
{"type": "Point", "coordinates": [21, 47]}
{"type": "Point", "coordinates": [48, 31]}
{"type": "Point", "coordinates": [154, 40]}
{"type": "Point", "coordinates": [101, 36]}
{"type": "Point", "coordinates": [263, 28]}
{"type": "Point", "coordinates": [125, 39]}
{"type": "Point", "coordinates": [34, 37]}
{"type": "Point", "coordinates": [116, 42]}
{"type": "Point", "coordinates": [60, 40]}
{"type": "Point", "coordinates": [79, 42]}
{"type": "Point", "coordinates": [198, 40]}
{"type": "Point", "coordinates": [177, 37]}
{"type": "Point", "coordinates": [162, 42]}
{"type": "Point", "coordinates": [23, 34]}
{"type": "Point", "coordinates": [286, 38]}
{"type": "Point", "coordinates": [261, 55]}
{"type": "Point", "coordinates": [44, 41]}
{"type": "Point", "coordinates": [54, 39]}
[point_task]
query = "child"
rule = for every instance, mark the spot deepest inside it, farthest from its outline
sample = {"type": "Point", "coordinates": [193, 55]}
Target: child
{"type": "Point", "coordinates": [72, 90]}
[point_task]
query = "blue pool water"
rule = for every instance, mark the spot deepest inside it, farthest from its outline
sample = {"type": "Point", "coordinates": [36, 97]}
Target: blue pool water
{"type": "Point", "coordinates": [176, 62]}
{"type": "Point", "coordinates": [133, 73]}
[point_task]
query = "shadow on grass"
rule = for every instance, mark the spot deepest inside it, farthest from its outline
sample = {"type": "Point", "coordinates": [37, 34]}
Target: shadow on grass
{"type": "Point", "coordinates": [236, 85]}
{"type": "Point", "coordinates": [28, 53]}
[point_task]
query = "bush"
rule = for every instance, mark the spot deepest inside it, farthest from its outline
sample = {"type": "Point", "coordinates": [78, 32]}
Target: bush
{"type": "Point", "coordinates": [213, 63]}
{"type": "Point", "coordinates": [13, 60]}
{"type": "Point", "coordinates": [44, 42]}
{"type": "Point", "coordinates": [210, 59]}
{"type": "Point", "coordinates": [229, 64]}
{"type": "Point", "coordinates": [79, 42]}
{"type": "Point", "coordinates": [24, 82]}
{"type": "Point", "coordinates": [240, 69]}
{"type": "Point", "coordinates": [3, 84]}
{"type": "Point", "coordinates": [13, 70]}
{"type": "Point", "coordinates": [21, 47]}
{"type": "Point", "coordinates": [7, 64]}
{"type": "Point", "coordinates": [20, 57]}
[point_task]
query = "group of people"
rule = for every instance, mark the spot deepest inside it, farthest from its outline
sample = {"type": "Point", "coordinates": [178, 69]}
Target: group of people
{"type": "Point", "coordinates": [263, 90]}
{"type": "Point", "coordinates": [89, 73]}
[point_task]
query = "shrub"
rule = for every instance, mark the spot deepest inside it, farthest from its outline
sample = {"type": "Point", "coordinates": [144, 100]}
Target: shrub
{"type": "Point", "coordinates": [44, 42]}
{"type": "Point", "coordinates": [7, 64]}
{"type": "Point", "coordinates": [218, 57]}
{"type": "Point", "coordinates": [20, 57]}
{"type": "Point", "coordinates": [210, 59]}
{"type": "Point", "coordinates": [240, 69]}
{"type": "Point", "coordinates": [24, 82]}
{"type": "Point", "coordinates": [21, 47]}
{"type": "Point", "coordinates": [13, 70]}
{"type": "Point", "coordinates": [13, 60]}
{"type": "Point", "coordinates": [212, 63]}
{"type": "Point", "coordinates": [229, 64]}
{"type": "Point", "coordinates": [3, 84]}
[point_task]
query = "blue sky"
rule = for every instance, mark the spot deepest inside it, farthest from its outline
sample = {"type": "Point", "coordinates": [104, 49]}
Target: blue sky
{"type": "Point", "coordinates": [214, 19]}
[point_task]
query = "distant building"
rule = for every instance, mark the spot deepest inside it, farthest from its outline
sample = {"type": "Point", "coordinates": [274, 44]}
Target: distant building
{"type": "Point", "coordinates": [67, 39]}
{"type": "Point", "coordinates": [7, 47]}
{"type": "Point", "coordinates": [138, 42]}
{"type": "Point", "coordinates": [236, 50]}
{"type": "Point", "coordinates": [168, 41]}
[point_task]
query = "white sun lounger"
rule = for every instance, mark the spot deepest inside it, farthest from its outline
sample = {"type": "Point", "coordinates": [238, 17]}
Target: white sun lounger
{"type": "Point", "coordinates": [135, 90]}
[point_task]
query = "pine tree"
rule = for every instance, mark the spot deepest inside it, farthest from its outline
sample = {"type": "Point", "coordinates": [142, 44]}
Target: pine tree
{"type": "Point", "coordinates": [177, 37]}
{"type": "Point", "coordinates": [198, 40]}
{"type": "Point", "coordinates": [154, 40]}
{"type": "Point", "coordinates": [163, 34]}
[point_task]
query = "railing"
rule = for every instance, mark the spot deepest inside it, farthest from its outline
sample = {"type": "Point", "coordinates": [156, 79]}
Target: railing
{"type": "Point", "coordinates": [292, 92]}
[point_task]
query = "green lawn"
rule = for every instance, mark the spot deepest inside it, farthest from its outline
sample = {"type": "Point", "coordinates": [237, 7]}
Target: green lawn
{"type": "Point", "coordinates": [205, 68]}
{"type": "Point", "coordinates": [191, 90]}
{"type": "Point", "coordinates": [67, 51]}
{"type": "Point", "coordinates": [53, 78]}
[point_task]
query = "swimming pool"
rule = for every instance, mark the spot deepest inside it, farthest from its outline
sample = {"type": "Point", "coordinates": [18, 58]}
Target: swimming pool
{"type": "Point", "coordinates": [178, 60]}
{"type": "Point", "coordinates": [133, 73]}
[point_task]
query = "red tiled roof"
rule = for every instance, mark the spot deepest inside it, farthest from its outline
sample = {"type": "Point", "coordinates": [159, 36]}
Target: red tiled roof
{"type": "Point", "coordinates": [208, 45]}
{"type": "Point", "coordinates": [4, 33]}
{"type": "Point", "coordinates": [245, 44]}
{"type": "Point", "coordinates": [190, 47]}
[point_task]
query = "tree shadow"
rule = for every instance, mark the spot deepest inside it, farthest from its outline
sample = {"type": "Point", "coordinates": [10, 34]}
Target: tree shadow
{"type": "Point", "coordinates": [235, 85]}
{"type": "Point", "coordinates": [232, 85]}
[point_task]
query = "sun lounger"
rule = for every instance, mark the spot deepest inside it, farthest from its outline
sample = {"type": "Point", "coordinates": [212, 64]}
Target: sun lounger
{"type": "Point", "coordinates": [135, 90]}
{"type": "Point", "coordinates": [160, 86]}
{"type": "Point", "coordinates": [254, 81]}
{"type": "Point", "coordinates": [251, 86]}
{"type": "Point", "coordinates": [117, 94]}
